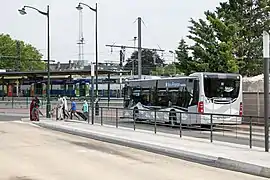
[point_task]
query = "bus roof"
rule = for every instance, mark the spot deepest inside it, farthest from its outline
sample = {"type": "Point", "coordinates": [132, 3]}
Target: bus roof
{"type": "Point", "coordinates": [167, 78]}
{"type": "Point", "coordinates": [216, 73]}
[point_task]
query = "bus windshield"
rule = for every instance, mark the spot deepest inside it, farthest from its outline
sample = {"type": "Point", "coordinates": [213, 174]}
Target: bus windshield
{"type": "Point", "coordinates": [221, 88]}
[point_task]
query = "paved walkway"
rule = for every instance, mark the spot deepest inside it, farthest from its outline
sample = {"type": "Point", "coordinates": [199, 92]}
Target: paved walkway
{"type": "Point", "coordinates": [218, 154]}
{"type": "Point", "coordinates": [47, 156]}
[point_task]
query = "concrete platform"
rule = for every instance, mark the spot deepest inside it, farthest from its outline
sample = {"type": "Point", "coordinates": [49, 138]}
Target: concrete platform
{"type": "Point", "coordinates": [217, 154]}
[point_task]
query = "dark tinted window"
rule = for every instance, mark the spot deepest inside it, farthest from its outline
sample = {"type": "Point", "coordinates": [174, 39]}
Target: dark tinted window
{"type": "Point", "coordinates": [224, 88]}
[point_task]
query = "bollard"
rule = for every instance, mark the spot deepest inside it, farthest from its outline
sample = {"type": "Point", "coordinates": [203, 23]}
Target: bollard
{"type": "Point", "coordinates": [101, 116]}
{"type": "Point", "coordinates": [211, 134]}
{"type": "Point", "coordinates": [250, 132]}
{"type": "Point", "coordinates": [155, 121]}
{"type": "Point", "coordinates": [116, 118]}
{"type": "Point", "coordinates": [180, 126]}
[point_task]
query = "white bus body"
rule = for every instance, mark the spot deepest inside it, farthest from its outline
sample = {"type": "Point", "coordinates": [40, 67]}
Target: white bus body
{"type": "Point", "coordinates": [215, 93]}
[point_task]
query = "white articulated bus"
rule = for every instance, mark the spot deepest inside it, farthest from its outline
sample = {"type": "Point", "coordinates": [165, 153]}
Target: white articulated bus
{"type": "Point", "coordinates": [210, 93]}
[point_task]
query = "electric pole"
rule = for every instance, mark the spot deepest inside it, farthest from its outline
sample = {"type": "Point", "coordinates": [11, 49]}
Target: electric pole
{"type": "Point", "coordinates": [139, 48]}
{"type": "Point", "coordinates": [133, 61]}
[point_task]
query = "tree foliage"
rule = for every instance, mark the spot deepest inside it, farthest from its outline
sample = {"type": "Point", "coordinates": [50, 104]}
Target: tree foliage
{"type": "Point", "coordinates": [228, 39]}
{"type": "Point", "coordinates": [168, 70]}
{"type": "Point", "coordinates": [185, 63]}
{"type": "Point", "coordinates": [213, 49]}
{"type": "Point", "coordinates": [150, 60]}
{"type": "Point", "coordinates": [17, 55]}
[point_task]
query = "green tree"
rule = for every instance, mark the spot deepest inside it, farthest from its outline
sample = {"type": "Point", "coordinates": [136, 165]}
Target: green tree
{"type": "Point", "coordinates": [168, 70]}
{"type": "Point", "coordinates": [230, 39]}
{"type": "Point", "coordinates": [213, 48]}
{"type": "Point", "coordinates": [252, 17]}
{"type": "Point", "coordinates": [150, 60]}
{"type": "Point", "coordinates": [16, 55]}
{"type": "Point", "coordinates": [185, 64]}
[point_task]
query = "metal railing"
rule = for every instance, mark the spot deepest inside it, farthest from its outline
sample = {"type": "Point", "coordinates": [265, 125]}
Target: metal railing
{"type": "Point", "coordinates": [24, 102]}
{"type": "Point", "coordinates": [218, 127]}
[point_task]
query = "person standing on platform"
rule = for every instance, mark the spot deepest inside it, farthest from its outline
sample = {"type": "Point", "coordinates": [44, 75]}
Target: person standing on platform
{"type": "Point", "coordinates": [59, 115]}
{"type": "Point", "coordinates": [85, 109]}
{"type": "Point", "coordinates": [73, 109]}
{"type": "Point", "coordinates": [32, 105]}
{"type": "Point", "coordinates": [65, 108]}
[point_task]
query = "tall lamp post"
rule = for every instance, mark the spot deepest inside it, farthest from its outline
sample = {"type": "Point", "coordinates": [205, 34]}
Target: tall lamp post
{"type": "Point", "coordinates": [79, 7]}
{"type": "Point", "coordinates": [47, 14]}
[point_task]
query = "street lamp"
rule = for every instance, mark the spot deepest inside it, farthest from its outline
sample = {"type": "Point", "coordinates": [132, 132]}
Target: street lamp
{"type": "Point", "coordinates": [47, 14]}
{"type": "Point", "coordinates": [79, 7]}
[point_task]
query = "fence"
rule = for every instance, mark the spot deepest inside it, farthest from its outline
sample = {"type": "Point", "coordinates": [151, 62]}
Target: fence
{"type": "Point", "coordinates": [253, 105]}
{"type": "Point", "coordinates": [228, 129]}
{"type": "Point", "coordinates": [24, 102]}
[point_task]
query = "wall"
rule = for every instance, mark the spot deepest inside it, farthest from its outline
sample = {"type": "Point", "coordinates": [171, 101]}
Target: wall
{"type": "Point", "coordinates": [253, 104]}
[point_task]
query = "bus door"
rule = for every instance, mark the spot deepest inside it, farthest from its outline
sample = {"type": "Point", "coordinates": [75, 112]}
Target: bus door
{"type": "Point", "coordinates": [77, 89]}
{"type": "Point", "coordinates": [32, 89]}
{"type": "Point", "coordinates": [44, 89]}
{"type": "Point", "coordinates": [87, 89]}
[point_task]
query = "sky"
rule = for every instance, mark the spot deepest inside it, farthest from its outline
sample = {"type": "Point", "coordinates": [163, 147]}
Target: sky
{"type": "Point", "coordinates": [164, 24]}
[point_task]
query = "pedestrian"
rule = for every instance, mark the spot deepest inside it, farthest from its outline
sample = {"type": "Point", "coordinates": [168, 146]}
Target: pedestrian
{"type": "Point", "coordinates": [85, 109]}
{"type": "Point", "coordinates": [60, 105]}
{"type": "Point", "coordinates": [32, 105]}
{"type": "Point", "coordinates": [37, 101]}
{"type": "Point", "coordinates": [73, 109]}
{"type": "Point", "coordinates": [65, 108]}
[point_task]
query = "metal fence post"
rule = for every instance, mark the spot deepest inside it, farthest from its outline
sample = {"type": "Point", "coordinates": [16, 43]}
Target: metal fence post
{"type": "Point", "coordinates": [250, 132]}
{"type": "Point", "coordinates": [134, 121]}
{"type": "Point", "coordinates": [116, 111]}
{"type": "Point", "coordinates": [211, 134]}
{"type": "Point", "coordinates": [180, 125]}
{"type": "Point", "coordinates": [12, 99]}
{"type": "Point", "coordinates": [155, 121]}
{"type": "Point", "coordinates": [236, 127]}
{"type": "Point", "coordinates": [101, 116]}
{"type": "Point", "coordinates": [27, 102]}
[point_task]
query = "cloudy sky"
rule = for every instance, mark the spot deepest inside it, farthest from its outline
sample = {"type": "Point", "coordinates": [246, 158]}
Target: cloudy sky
{"type": "Point", "coordinates": [165, 23]}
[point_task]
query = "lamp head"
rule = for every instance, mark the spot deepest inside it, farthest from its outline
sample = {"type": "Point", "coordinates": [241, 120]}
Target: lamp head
{"type": "Point", "coordinates": [79, 7]}
{"type": "Point", "coordinates": [22, 11]}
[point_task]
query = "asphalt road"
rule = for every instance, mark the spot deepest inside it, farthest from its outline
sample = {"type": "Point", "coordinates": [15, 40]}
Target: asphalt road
{"type": "Point", "coordinates": [32, 153]}
{"type": "Point", "coordinates": [10, 117]}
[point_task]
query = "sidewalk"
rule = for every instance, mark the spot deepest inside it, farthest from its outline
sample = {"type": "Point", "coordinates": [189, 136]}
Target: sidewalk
{"type": "Point", "coordinates": [217, 154]}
